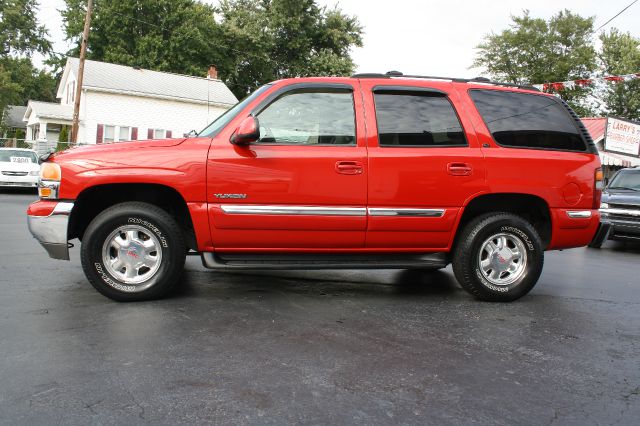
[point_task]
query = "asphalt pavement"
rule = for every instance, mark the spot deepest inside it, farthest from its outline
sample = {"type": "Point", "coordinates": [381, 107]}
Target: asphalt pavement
{"type": "Point", "coordinates": [317, 347]}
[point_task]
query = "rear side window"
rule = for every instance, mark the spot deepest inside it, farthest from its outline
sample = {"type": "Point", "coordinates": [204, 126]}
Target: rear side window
{"type": "Point", "coordinates": [417, 120]}
{"type": "Point", "coordinates": [522, 120]}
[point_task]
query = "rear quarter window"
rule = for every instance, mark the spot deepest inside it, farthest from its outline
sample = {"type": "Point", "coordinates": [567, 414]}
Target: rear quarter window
{"type": "Point", "coordinates": [522, 120]}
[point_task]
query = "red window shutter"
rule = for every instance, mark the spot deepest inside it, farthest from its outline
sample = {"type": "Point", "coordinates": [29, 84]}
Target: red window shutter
{"type": "Point", "coordinates": [168, 134]}
{"type": "Point", "coordinates": [100, 133]}
{"type": "Point", "coordinates": [134, 133]}
{"type": "Point", "coordinates": [150, 134]}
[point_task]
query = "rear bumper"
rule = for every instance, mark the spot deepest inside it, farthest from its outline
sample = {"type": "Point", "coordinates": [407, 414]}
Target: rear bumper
{"type": "Point", "coordinates": [573, 227]}
{"type": "Point", "coordinates": [49, 226]}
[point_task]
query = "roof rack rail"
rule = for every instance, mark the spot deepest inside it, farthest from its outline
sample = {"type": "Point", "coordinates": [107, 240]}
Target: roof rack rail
{"type": "Point", "coordinates": [484, 80]}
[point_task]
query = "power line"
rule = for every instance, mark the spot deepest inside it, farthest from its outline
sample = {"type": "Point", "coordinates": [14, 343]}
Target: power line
{"type": "Point", "coordinates": [618, 14]}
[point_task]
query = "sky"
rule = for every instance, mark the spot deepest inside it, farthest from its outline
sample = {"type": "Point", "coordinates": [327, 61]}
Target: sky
{"type": "Point", "coordinates": [429, 37]}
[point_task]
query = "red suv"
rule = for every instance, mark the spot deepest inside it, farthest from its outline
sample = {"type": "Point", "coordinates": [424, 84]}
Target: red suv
{"type": "Point", "coordinates": [372, 171]}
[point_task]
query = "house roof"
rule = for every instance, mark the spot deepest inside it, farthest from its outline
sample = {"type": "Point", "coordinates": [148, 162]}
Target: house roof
{"type": "Point", "coordinates": [13, 116]}
{"type": "Point", "coordinates": [596, 127]}
{"type": "Point", "coordinates": [103, 76]}
{"type": "Point", "coordinates": [49, 110]}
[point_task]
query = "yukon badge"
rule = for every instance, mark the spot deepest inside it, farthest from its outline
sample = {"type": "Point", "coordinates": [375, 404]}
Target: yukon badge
{"type": "Point", "coordinates": [234, 196]}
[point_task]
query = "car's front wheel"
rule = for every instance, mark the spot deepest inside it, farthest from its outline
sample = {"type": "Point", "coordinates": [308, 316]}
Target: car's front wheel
{"type": "Point", "coordinates": [498, 257]}
{"type": "Point", "coordinates": [133, 251]}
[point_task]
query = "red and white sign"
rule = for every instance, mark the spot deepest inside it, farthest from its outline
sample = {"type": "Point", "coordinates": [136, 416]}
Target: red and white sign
{"type": "Point", "coordinates": [622, 136]}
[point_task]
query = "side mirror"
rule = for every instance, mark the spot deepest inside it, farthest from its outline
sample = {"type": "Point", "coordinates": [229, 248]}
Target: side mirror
{"type": "Point", "coordinates": [191, 134]}
{"type": "Point", "coordinates": [247, 132]}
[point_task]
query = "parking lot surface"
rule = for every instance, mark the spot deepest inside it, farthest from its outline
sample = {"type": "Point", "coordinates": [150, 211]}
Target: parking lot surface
{"type": "Point", "coordinates": [317, 347]}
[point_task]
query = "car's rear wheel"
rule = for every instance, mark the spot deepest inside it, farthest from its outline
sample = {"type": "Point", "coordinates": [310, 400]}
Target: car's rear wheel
{"type": "Point", "coordinates": [133, 251]}
{"type": "Point", "coordinates": [498, 257]}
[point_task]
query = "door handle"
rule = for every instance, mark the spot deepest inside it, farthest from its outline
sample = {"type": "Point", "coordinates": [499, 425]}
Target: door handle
{"type": "Point", "coordinates": [459, 169]}
{"type": "Point", "coordinates": [349, 167]}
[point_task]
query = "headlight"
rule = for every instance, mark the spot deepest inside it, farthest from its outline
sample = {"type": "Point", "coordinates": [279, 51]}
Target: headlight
{"type": "Point", "coordinates": [49, 182]}
{"type": "Point", "coordinates": [604, 205]}
{"type": "Point", "coordinates": [34, 173]}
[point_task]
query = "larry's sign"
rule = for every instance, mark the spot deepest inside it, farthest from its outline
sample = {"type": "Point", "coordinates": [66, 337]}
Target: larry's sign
{"type": "Point", "coordinates": [622, 136]}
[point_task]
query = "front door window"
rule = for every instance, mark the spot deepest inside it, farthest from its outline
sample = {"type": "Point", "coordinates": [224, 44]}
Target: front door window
{"type": "Point", "coordinates": [309, 118]}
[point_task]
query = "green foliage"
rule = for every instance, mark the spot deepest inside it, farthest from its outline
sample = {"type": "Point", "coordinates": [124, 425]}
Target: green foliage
{"type": "Point", "coordinates": [533, 50]}
{"type": "Point", "coordinates": [21, 81]}
{"type": "Point", "coordinates": [272, 39]}
{"type": "Point", "coordinates": [64, 134]}
{"type": "Point", "coordinates": [620, 54]}
{"type": "Point", "coordinates": [250, 41]}
{"type": "Point", "coordinates": [20, 37]}
{"type": "Point", "coordinates": [19, 30]}
{"type": "Point", "coordinates": [163, 35]}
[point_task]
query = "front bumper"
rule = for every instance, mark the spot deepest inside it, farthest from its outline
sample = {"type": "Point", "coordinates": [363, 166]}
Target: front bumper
{"type": "Point", "coordinates": [18, 181]}
{"type": "Point", "coordinates": [50, 229]}
{"type": "Point", "coordinates": [621, 224]}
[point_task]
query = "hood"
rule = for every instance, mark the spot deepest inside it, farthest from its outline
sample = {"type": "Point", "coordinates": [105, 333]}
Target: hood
{"type": "Point", "coordinates": [622, 197]}
{"type": "Point", "coordinates": [96, 150]}
{"type": "Point", "coordinates": [6, 166]}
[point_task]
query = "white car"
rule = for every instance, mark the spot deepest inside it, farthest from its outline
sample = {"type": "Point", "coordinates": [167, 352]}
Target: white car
{"type": "Point", "coordinates": [19, 168]}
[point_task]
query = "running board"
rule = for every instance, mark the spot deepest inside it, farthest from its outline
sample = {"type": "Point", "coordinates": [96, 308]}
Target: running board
{"type": "Point", "coordinates": [320, 261]}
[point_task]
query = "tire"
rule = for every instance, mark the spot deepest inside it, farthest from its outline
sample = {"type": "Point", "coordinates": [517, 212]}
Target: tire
{"type": "Point", "coordinates": [478, 264]}
{"type": "Point", "coordinates": [151, 257]}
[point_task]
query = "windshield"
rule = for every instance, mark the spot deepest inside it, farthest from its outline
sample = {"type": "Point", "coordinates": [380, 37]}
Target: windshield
{"type": "Point", "coordinates": [17, 156]}
{"type": "Point", "coordinates": [626, 180]}
{"type": "Point", "coordinates": [219, 123]}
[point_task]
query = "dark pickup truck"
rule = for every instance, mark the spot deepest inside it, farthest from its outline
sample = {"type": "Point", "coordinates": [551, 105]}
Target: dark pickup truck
{"type": "Point", "coordinates": [620, 209]}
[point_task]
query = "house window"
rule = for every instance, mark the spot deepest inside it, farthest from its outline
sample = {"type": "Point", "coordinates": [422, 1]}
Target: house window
{"type": "Point", "coordinates": [159, 134]}
{"type": "Point", "coordinates": [109, 133]}
{"type": "Point", "coordinates": [71, 92]}
{"type": "Point", "coordinates": [124, 134]}
{"type": "Point", "coordinates": [117, 133]}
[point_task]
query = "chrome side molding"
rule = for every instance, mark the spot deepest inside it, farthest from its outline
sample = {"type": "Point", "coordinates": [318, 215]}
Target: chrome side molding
{"type": "Point", "coordinates": [379, 211]}
{"type": "Point", "coordinates": [329, 211]}
{"type": "Point", "coordinates": [293, 210]}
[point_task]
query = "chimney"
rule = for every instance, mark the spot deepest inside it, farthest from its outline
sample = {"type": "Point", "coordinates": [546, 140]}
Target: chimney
{"type": "Point", "coordinates": [213, 72]}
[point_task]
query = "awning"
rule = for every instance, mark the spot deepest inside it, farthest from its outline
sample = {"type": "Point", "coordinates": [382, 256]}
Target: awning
{"type": "Point", "coordinates": [621, 160]}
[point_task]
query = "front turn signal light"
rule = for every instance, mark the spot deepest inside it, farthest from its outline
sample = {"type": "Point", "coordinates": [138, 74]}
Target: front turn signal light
{"type": "Point", "coordinates": [45, 192]}
{"type": "Point", "coordinates": [50, 171]}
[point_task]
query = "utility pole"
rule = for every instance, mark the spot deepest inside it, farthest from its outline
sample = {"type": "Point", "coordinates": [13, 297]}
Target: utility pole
{"type": "Point", "coordinates": [83, 54]}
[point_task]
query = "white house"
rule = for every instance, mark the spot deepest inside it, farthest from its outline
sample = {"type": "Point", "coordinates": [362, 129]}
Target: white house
{"type": "Point", "coordinates": [126, 103]}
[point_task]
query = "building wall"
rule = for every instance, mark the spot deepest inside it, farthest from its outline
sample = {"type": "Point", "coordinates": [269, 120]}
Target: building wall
{"type": "Point", "coordinates": [143, 113]}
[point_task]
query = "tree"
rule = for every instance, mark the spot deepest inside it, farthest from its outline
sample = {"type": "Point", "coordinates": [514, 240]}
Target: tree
{"type": "Point", "coordinates": [20, 37]}
{"type": "Point", "coordinates": [273, 39]}
{"type": "Point", "coordinates": [163, 35]}
{"type": "Point", "coordinates": [20, 33]}
{"type": "Point", "coordinates": [620, 54]}
{"type": "Point", "coordinates": [250, 41]}
{"type": "Point", "coordinates": [534, 50]}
